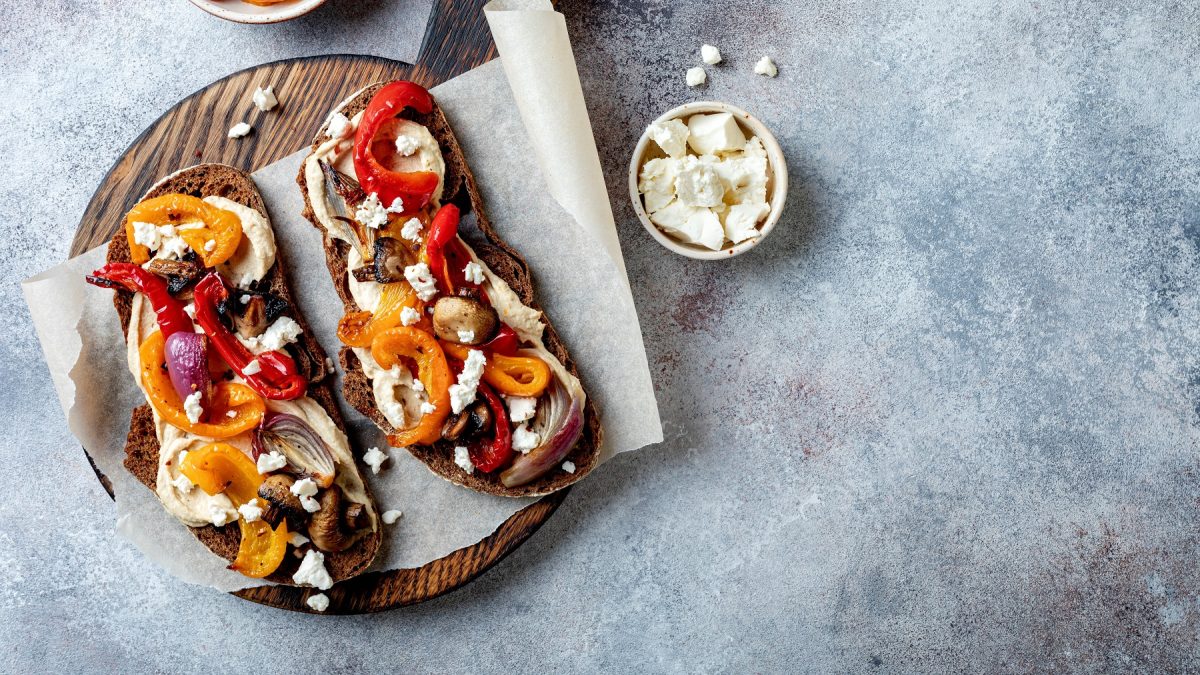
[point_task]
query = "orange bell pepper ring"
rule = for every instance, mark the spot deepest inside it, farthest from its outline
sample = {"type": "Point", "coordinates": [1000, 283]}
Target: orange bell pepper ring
{"type": "Point", "coordinates": [220, 467]}
{"type": "Point", "coordinates": [222, 227]}
{"type": "Point", "coordinates": [433, 372]}
{"type": "Point", "coordinates": [509, 375]}
{"type": "Point", "coordinates": [248, 407]}
{"type": "Point", "coordinates": [358, 329]}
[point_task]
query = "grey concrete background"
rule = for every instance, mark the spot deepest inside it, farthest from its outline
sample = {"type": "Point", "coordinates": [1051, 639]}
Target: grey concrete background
{"type": "Point", "coordinates": [943, 420]}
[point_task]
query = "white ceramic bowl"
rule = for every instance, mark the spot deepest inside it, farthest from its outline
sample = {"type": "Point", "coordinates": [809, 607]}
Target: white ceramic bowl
{"type": "Point", "coordinates": [245, 12]}
{"type": "Point", "coordinates": [777, 180]}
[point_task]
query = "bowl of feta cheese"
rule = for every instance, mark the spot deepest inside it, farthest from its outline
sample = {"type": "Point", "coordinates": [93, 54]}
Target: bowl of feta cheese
{"type": "Point", "coordinates": [708, 180]}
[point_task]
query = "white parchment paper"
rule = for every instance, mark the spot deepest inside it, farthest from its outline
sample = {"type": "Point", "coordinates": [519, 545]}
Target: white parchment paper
{"type": "Point", "coordinates": [566, 234]}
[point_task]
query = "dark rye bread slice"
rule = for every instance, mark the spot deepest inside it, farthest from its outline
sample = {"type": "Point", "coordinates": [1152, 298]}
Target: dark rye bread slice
{"type": "Point", "coordinates": [461, 190]}
{"type": "Point", "coordinates": [141, 445]}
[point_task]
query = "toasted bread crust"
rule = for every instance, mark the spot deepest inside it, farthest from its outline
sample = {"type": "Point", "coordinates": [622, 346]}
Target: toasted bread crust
{"type": "Point", "coordinates": [460, 189]}
{"type": "Point", "coordinates": [141, 446]}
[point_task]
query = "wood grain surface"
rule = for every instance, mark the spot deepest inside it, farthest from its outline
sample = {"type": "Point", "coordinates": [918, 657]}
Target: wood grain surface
{"type": "Point", "coordinates": [194, 131]}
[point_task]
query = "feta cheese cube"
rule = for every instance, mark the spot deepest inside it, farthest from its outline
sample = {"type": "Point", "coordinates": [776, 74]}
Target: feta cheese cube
{"type": "Point", "coordinates": [371, 212]}
{"type": "Point", "coordinates": [375, 458]}
{"type": "Point", "coordinates": [183, 483]}
{"type": "Point", "coordinates": [406, 145]}
{"type": "Point", "coordinates": [696, 76]}
{"type": "Point", "coordinates": [521, 408]}
{"type": "Point", "coordinates": [412, 230]}
{"type": "Point", "coordinates": [312, 571]}
{"type": "Point", "coordinates": [462, 393]}
{"type": "Point", "coordinates": [569, 467]}
{"type": "Point", "coordinates": [710, 55]}
{"type": "Point", "coordinates": [390, 516]}
{"type": "Point", "coordinates": [706, 229]}
{"type": "Point", "coordinates": [409, 316]}
{"type": "Point", "coordinates": [671, 136]}
{"type": "Point", "coordinates": [192, 407]}
{"type": "Point", "coordinates": [252, 368]}
{"type": "Point", "coordinates": [741, 222]}
{"type": "Point", "coordinates": [524, 440]}
{"type": "Point", "coordinates": [657, 182]}
{"type": "Point", "coordinates": [698, 184]}
{"type": "Point", "coordinates": [251, 511]}
{"type": "Point", "coordinates": [339, 127]}
{"type": "Point", "coordinates": [421, 280]}
{"type": "Point", "coordinates": [715, 133]}
{"type": "Point", "coordinates": [318, 602]}
{"type": "Point", "coordinates": [473, 272]}
{"type": "Point", "coordinates": [306, 489]}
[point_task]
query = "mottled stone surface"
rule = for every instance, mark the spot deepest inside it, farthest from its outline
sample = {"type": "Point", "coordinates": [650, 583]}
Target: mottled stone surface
{"type": "Point", "coordinates": [943, 419]}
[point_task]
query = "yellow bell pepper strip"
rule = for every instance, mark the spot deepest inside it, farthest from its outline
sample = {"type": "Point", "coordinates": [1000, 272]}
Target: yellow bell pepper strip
{"type": "Point", "coordinates": [432, 370]}
{"type": "Point", "coordinates": [222, 227]}
{"type": "Point", "coordinates": [261, 549]}
{"type": "Point", "coordinates": [510, 375]}
{"type": "Point", "coordinates": [358, 329]}
{"type": "Point", "coordinates": [220, 467]}
{"type": "Point", "coordinates": [247, 406]}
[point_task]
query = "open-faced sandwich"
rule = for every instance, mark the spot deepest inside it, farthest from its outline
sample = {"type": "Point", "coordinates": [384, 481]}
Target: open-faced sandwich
{"type": "Point", "coordinates": [445, 347]}
{"type": "Point", "coordinates": [241, 439]}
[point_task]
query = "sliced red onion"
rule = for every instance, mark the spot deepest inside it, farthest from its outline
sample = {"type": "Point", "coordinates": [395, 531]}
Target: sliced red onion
{"type": "Point", "coordinates": [560, 424]}
{"type": "Point", "coordinates": [187, 364]}
{"type": "Point", "coordinates": [305, 450]}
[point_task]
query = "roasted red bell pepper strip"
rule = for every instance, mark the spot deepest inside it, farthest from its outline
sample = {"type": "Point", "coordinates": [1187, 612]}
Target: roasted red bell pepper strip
{"type": "Point", "coordinates": [506, 342]}
{"type": "Point", "coordinates": [414, 188]}
{"type": "Point", "coordinates": [277, 378]}
{"type": "Point", "coordinates": [442, 230]}
{"type": "Point", "coordinates": [489, 454]}
{"type": "Point", "coordinates": [171, 317]}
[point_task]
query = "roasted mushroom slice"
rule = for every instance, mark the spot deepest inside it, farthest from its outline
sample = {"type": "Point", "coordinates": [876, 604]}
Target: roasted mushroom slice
{"type": "Point", "coordinates": [328, 529]}
{"type": "Point", "coordinates": [364, 273]}
{"type": "Point", "coordinates": [467, 424]}
{"type": "Point", "coordinates": [253, 318]}
{"type": "Point", "coordinates": [391, 257]}
{"type": "Point", "coordinates": [464, 320]}
{"type": "Point", "coordinates": [179, 273]}
{"type": "Point", "coordinates": [276, 491]}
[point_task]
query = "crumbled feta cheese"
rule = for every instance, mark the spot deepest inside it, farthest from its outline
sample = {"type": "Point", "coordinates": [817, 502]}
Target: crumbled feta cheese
{"type": "Point", "coordinates": [766, 66]}
{"type": "Point", "coordinates": [306, 490]}
{"type": "Point", "coordinates": [192, 407]}
{"type": "Point", "coordinates": [524, 440]}
{"type": "Point", "coordinates": [463, 392]}
{"type": "Point", "coordinates": [698, 184]}
{"type": "Point", "coordinates": [238, 130]}
{"type": "Point", "coordinates": [411, 230]}
{"type": "Point", "coordinates": [409, 316]}
{"type": "Point", "coordinates": [715, 133]}
{"type": "Point", "coordinates": [328, 363]}
{"type": "Point", "coordinates": [284, 331]}
{"type": "Point", "coordinates": [418, 386]}
{"type": "Point", "coordinates": [390, 517]}
{"type": "Point", "coordinates": [397, 206]}
{"type": "Point", "coordinates": [696, 76]}
{"type": "Point", "coordinates": [521, 408]}
{"type": "Point", "coordinates": [190, 310]}
{"type": "Point", "coordinates": [569, 467]}
{"type": "Point", "coordinates": [671, 136]}
{"type": "Point", "coordinates": [296, 539]}
{"type": "Point", "coordinates": [371, 212]}
{"type": "Point", "coordinates": [421, 280]}
{"type": "Point", "coordinates": [264, 99]}
{"type": "Point", "coordinates": [252, 368]}
{"type": "Point", "coordinates": [473, 272]}
{"type": "Point", "coordinates": [312, 571]}
{"type": "Point", "coordinates": [250, 511]}
{"type": "Point", "coordinates": [271, 461]}
{"type": "Point", "coordinates": [244, 298]}
{"type": "Point", "coordinates": [231, 414]}
{"type": "Point", "coordinates": [462, 457]}
{"type": "Point", "coordinates": [690, 224]}
{"type": "Point", "coordinates": [375, 459]}
{"type": "Point", "coordinates": [218, 516]}
{"type": "Point", "coordinates": [318, 602]}
{"type": "Point", "coordinates": [183, 483]}
{"type": "Point", "coordinates": [339, 126]}
{"type": "Point", "coordinates": [427, 408]}
{"type": "Point", "coordinates": [146, 234]}
{"type": "Point", "coordinates": [466, 337]}
{"type": "Point", "coordinates": [210, 245]}
{"type": "Point", "coordinates": [406, 145]}
{"type": "Point", "coordinates": [710, 54]}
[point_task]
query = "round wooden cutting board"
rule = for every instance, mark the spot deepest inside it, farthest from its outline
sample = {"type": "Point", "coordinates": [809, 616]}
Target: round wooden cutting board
{"type": "Point", "coordinates": [194, 131]}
